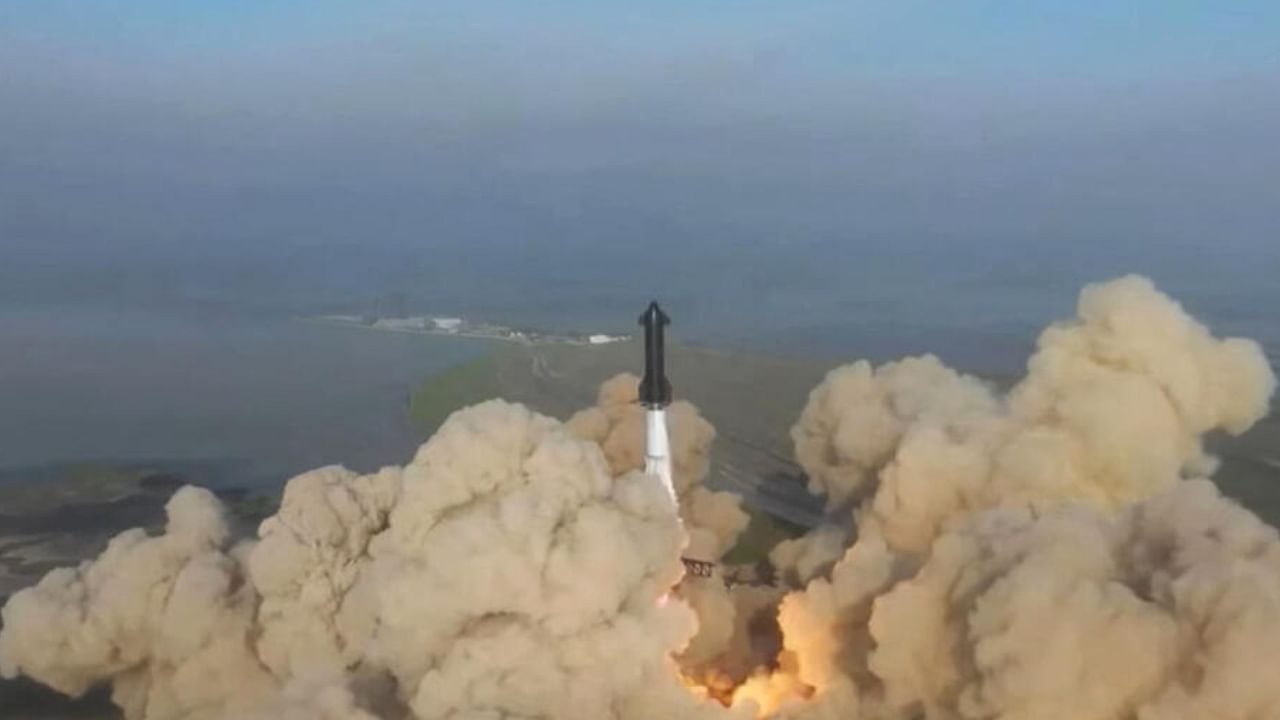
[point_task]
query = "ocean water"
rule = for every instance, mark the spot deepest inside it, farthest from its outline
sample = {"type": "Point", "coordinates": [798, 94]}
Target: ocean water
{"type": "Point", "coordinates": [979, 304]}
{"type": "Point", "coordinates": [169, 378]}
{"type": "Point", "coordinates": [267, 396]}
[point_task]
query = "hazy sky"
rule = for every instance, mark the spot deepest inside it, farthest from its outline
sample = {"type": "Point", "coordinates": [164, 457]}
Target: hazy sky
{"type": "Point", "coordinates": [338, 142]}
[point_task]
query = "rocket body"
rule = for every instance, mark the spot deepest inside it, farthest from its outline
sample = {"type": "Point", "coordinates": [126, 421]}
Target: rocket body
{"type": "Point", "coordinates": [655, 390]}
{"type": "Point", "coordinates": [655, 395]}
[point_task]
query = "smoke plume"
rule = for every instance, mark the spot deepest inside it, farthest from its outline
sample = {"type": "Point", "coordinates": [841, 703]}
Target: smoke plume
{"type": "Point", "coordinates": [720, 653]}
{"type": "Point", "coordinates": [713, 519]}
{"type": "Point", "coordinates": [503, 573]}
{"type": "Point", "coordinates": [1053, 550]}
{"type": "Point", "coordinates": [1040, 553]}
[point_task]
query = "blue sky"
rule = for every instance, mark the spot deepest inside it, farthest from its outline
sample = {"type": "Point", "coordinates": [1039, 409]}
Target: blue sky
{"type": "Point", "coordinates": [1142, 36]}
{"type": "Point", "coordinates": [219, 137]}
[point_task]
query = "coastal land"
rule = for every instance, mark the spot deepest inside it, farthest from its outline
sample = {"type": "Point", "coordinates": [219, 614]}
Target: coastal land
{"type": "Point", "coordinates": [462, 327]}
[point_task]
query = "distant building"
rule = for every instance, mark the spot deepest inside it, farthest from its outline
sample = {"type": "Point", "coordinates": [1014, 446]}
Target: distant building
{"type": "Point", "coordinates": [447, 324]}
{"type": "Point", "coordinates": [605, 339]}
{"type": "Point", "coordinates": [401, 324]}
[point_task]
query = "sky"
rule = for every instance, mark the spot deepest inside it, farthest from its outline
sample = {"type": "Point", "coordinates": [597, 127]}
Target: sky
{"type": "Point", "coordinates": [309, 152]}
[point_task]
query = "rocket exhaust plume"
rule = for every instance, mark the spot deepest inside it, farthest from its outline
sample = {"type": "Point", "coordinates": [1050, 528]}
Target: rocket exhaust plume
{"type": "Point", "coordinates": [1055, 551]}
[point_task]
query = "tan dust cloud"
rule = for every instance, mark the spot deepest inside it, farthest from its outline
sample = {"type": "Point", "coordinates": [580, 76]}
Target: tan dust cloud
{"type": "Point", "coordinates": [504, 572]}
{"type": "Point", "coordinates": [720, 654]}
{"type": "Point", "coordinates": [1035, 553]}
{"type": "Point", "coordinates": [1050, 551]}
{"type": "Point", "coordinates": [713, 519]}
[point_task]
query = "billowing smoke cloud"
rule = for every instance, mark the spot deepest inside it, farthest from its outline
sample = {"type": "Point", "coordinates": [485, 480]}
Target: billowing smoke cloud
{"type": "Point", "coordinates": [1052, 551]}
{"type": "Point", "coordinates": [720, 654]}
{"type": "Point", "coordinates": [798, 560]}
{"type": "Point", "coordinates": [503, 573]}
{"type": "Point", "coordinates": [714, 520]}
{"type": "Point", "coordinates": [167, 619]}
{"type": "Point", "coordinates": [1111, 411]}
{"type": "Point", "coordinates": [312, 620]}
{"type": "Point", "coordinates": [1039, 553]}
{"type": "Point", "coordinates": [1170, 610]}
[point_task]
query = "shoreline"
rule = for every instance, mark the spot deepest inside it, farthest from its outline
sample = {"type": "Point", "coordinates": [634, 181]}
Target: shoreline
{"type": "Point", "coordinates": [407, 331]}
{"type": "Point", "coordinates": [461, 329]}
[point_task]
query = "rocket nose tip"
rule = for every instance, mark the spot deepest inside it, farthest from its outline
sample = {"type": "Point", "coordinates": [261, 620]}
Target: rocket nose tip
{"type": "Point", "coordinates": [652, 314]}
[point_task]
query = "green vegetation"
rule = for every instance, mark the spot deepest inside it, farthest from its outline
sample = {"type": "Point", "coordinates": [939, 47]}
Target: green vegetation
{"type": "Point", "coordinates": [457, 387]}
{"type": "Point", "coordinates": [763, 532]}
{"type": "Point", "coordinates": [47, 488]}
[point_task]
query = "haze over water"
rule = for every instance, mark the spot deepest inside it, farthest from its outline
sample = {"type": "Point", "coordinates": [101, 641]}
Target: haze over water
{"type": "Point", "coordinates": [239, 382]}
{"type": "Point", "coordinates": [266, 396]}
{"type": "Point", "coordinates": [832, 180]}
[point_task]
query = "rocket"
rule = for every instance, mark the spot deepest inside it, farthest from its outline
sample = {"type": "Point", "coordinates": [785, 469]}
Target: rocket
{"type": "Point", "coordinates": [655, 396]}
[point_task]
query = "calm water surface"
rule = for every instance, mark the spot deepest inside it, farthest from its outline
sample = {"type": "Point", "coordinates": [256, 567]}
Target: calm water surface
{"type": "Point", "coordinates": [278, 395]}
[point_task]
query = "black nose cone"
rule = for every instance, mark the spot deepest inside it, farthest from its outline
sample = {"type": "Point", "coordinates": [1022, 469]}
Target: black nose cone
{"type": "Point", "coordinates": [653, 317]}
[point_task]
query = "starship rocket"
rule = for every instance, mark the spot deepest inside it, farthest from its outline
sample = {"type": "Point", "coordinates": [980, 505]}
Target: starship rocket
{"type": "Point", "coordinates": [655, 396]}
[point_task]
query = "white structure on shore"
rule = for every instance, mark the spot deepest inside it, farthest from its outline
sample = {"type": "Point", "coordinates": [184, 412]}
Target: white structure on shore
{"type": "Point", "coordinates": [605, 339]}
{"type": "Point", "coordinates": [409, 323]}
{"type": "Point", "coordinates": [460, 326]}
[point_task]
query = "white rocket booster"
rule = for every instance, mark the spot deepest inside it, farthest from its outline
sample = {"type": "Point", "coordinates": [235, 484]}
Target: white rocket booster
{"type": "Point", "coordinates": [657, 449]}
